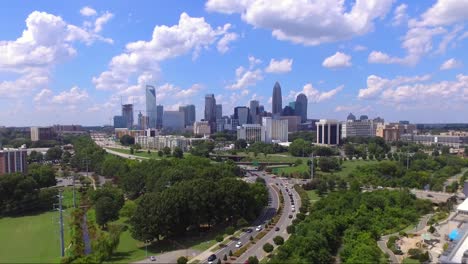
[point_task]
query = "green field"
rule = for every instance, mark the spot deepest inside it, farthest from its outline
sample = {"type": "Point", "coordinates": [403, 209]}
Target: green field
{"type": "Point", "coordinates": [141, 153]}
{"type": "Point", "coordinates": [33, 238]}
{"type": "Point", "coordinates": [313, 196]}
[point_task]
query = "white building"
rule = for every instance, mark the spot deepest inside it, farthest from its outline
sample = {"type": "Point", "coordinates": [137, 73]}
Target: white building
{"type": "Point", "coordinates": [275, 130]}
{"type": "Point", "coordinates": [328, 132]}
{"type": "Point", "coordinates": [251, 132]}
{"type": "Point", "coordinates": [160, 142]}
{"type": "Point", "coordinates": [201, 128]}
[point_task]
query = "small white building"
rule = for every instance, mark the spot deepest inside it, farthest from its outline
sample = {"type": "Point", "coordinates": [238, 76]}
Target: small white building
{"type": "Point", "coordinates": [463, 207]}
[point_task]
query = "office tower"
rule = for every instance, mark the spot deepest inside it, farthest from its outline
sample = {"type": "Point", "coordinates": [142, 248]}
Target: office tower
{"type": "Point", "coordinates": [293, 122]}
{"type": "Point", "coordinates": [127, 113]}
{"type": "Point", "coordinates": [219, 111]}
{"type": "Point", "coordinates": [190, 115]}
{"type": "Point", "coordinates": [159, 116]}
{"type": "Point", "coordinates": [301, 107]}
{"type": "Point", "coordinates": [292, 105]}
{"type": "Point", "coordinates": [201, 128]}
{"type": "Point", "coordinates": [261, 109]}
{"type": "Point", "coordinates": [42, 133]}
{"type": "Point", "coordinates": [140, 120]}
{"type": "Point", "coordinates": [251, 132]}
{"type": "Point", "coordinates": [277, 100]}
{"type": "Point", "coordinates": [254, 105]}
{"type": "Point", "coordinates": [241, 113]}
{"type": "Point", "coordinates": [173, 120]}
{"type": "Point", "coordinates": [210, 111]}
{"type": "Point", "coordinates": [351, 117]}
{"type": "Point", "coordinates": [358, 128]}
{"type": "Point", "coordinates": [328, 132]}
{"type": "Point", "coordinates": [288, 111]}
{"type": "Point", "coordinates": [275, 130]}
{"type": "Point", "coordinates": [143, 121]}
{"type": "Point", "coordinates": [119, 122]}
{"type": "Point", "coordinates": [151, 105]}
{"type": "Point", "coordinates": [13, 160]}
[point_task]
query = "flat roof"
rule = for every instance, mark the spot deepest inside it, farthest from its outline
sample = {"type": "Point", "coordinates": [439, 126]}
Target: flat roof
{"type": "Point", "coordinates": [463, 206]}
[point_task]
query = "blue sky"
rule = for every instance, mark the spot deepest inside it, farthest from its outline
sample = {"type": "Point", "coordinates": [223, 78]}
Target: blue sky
{"type": "Point", "coordinates": [73, 62]}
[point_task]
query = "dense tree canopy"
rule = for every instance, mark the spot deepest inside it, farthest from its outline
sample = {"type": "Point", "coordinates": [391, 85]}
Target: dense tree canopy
{"type": "Point", "coordinates": [127, 140]}
{"type": "Point", "coordinates": [54, 153]}
{"type": "Point", "coordinates": [44, 175]}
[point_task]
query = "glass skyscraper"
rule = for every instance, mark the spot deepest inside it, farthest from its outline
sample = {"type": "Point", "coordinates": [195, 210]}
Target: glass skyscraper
{"type": "Point", "coordinates": [277, 100]}
{"type": "Point", "coordinates": [301, 107]}
{"type": "Point", "coordinates": [151, 105]}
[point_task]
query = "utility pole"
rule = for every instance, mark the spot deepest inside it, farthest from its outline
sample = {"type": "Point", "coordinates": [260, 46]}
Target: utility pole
{"type": "Point", "coordinates": [62, 242]}
{"type": "Point", "coordinates": [312, 167]}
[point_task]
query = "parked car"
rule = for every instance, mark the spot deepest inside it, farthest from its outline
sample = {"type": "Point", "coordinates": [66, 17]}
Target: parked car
{"type": "Point", "coordinates": [290, 216]}
{"type": "Point", "coordinates": [248, 230]}
{"type": "Point", "coordinates": [153, 258]}
{"type": "Point", "coordinates": [277, 228]}
{"type": "Point", "coordinates": [238, 244]}
{"type": "Point", "coordinates": [211, 258]}
{"type": "Point", "coordinates": [258, 228]}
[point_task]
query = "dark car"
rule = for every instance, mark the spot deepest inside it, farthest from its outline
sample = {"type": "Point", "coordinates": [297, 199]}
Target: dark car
{"type": "Point", "coordinates": [248, 230]}
{"type": "Point", "coordinates": [277, 228]}
{"type": "Point", "coordinates": [212, 257]}
{"type": "Point", "coordinates": [290, 216]}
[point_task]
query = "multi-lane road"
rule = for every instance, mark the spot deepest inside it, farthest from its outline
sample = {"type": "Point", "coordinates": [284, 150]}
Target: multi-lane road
{"type": "Point", "coordinates": [268, 213]}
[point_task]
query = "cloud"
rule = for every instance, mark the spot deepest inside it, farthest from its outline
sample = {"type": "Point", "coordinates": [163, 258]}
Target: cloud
{"type": "Point", "coordinates": [338, 60]}
{"type": "Point", "coordinates": [307, 22]}
{"type": "Point", "coordinates": [450, 64]}
{"type": "Point", "coordinates": [359, 48]}
{"type": "Point", "coordinates": [376, 84]}
{"type": "Point", "coordinates": [253, 62]}
{"type": "Point", "coordinates": [190, 35]}
{"type": "Point", "coordinates": [74, 96]}
{"type": "Point", "coordinates": [223, 43]}
{"type": "Point", "coordinates": [245, 78]}
{"type": "Point", "coordinates": [70, 99]}
{"type": "Point", "coordinates": [47, 41]}
{"type": "Point", "coordinates": [314, 95]}
{"type": "Point", "coordinates": [100, 21]}
{"type": "Point", "coordinates": [87, 11]}
{"type": "Point", "coordinates": [279, 66]}
{"type": "Point", "coordinates": [445, 12]}
{"type": "Point", "coordinates": [400, 15]}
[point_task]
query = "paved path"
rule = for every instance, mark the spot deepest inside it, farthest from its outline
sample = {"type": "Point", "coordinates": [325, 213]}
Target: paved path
{"type": "Point", "coordinates": [382, 243]}
{"type": "Point", "coordinates": [171, 256]}
{"type": "Point", "coordinates": [124, 155]}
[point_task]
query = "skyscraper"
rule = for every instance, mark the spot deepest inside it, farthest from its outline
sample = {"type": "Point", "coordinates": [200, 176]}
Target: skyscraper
{"type": "Point", "coordinates": [127, 114]}
{"type": "Point", "coordinates": [219, 111]}
{"type": "Point", "coordinates": [210, 111]}
{"type": "Point", "coordinates": [241, 113]}
{"type": "Point", "coordinates": [151, 105]}
{"type": "Point", "coordinates": [254, 104]}
{"type": "Point", "coordinates": [159, 116]}
{"type": "Point", "coordinates": [301, 107]}
{"type": "Point", "coordinates": [189, 112]}
{"type": "Point", "coordinates": [277, 100]}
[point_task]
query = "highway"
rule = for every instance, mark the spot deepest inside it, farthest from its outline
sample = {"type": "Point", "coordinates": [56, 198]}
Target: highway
{"type": "Point", "coordinates": [257, 248]}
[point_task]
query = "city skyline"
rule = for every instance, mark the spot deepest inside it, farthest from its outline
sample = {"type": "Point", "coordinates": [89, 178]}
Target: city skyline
{"type": "Point", "coordinates": [72, 64]}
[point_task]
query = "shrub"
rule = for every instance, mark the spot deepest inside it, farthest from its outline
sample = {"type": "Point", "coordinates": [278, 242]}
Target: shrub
{"type": "Point", "coordinates": [230, 253]}
{"type": "Point", "coordinates": [219, 238]}
{"type": "Point", "coordinates": [268, 247]}
{"type": "Point", "coordinates": [290, 229]}
{"type": "Point", "coordinates": [279, 240]}
{"type": "Point", "coordinates": [225, 257]}
{"type": "Point", "coordinates": [253, 260]}
{"type": "Point", "coordinates": [230, 230]}
{"type": "Point", "coordinates": [182, 260]}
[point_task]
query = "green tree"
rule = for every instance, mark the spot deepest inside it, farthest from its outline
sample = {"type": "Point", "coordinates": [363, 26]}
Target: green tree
{"type": "Point", "coordinates": [106, 211]}
{"type": "Point", "coordinates": [279, 240]}
{"type": "Point", "coordinates": [240, 144]}
{"type": "Point", "coordinates": [225, 257]}
{"type": "Point", "coordinates": [300, 148]}
{"type": "Point", "coordinates": [54, 153]}
{"type": "Point", "coordinates": [44, 175]}
{"type": "Point", "coordinates": [167, 151]}
{"type": "Point", "coordinates": [268, 247]}
{"type": "Point", "coordinates": [253, 260]}
{"type": "Point", "coordinates": [127, 140]}
{"type": "Point", "coordinates": [182, 260]}
{"type": "Point", "coordinates": [178, 153]}
{"type": "Point", "coordinates": [230, 230]}
{"type": "Point", "coordinates": [219, 238]}
{"type": "Point", "coordinates": [160, 153]}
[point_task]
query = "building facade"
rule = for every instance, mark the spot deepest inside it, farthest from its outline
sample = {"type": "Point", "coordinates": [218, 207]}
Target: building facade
{"type": "Point", "coordinates": [119, 122]}
{"type": "Point", "coordinates": [210, 111]}
{"type": "Point", "coordinates": [300, 107]}
{"type": "Point", "coordinates": [13, 160]}
{"type": "Point", "coordinates": [151, 106]}
{"type": "Point", "coordinates": [328, 132]}
{"type": "Point", "coordinates": [242, 113]}
{"type": "Point", "coordinates": [277, 100]}
{"type": "Point", "coordinates": [127, 114]}
{"type": "Point", "coordinates": [219, 111]}
{"type": "Point", "coordinates": [201, 128]}
{"type": "Point", "coordinates": [159, 116]}
{"type": "Point", "coordinates": [173, 120]}
{"type": "Point", "coordinates": [251, 132]}
{"type": "Point", "coordinates": [42, 133]}
{"type": "Point", "coordinates": [254, 105]}
{"type": "Point", "coordinates": [393, 131]}
{"type": "Point", "coordinates": [440, 140]}
{"type": "Point", "coordinates": [363, 127]}
{"type": "Point", "coordinates": [293, 122]}
{"type": "Point", "coordinates": [276, 131]}
{"type": "Point", "coordinates": [160, 142]}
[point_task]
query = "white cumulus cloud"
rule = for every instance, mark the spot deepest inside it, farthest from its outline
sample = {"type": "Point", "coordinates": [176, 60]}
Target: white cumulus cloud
{"type": "Point", "coordinates": [87, 11]}
{"type": "Point", "coordinates": [338, 60]}
{"type": "Point", "coordinates": [450, 64]}
{"type": "Point", "coordinates": [279, 66]}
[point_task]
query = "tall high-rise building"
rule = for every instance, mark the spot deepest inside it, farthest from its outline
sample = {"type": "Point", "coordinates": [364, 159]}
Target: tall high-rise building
{"type": "Point", "coordinates": [210, 111]}
{"type": "Point", "coordinates": [254, 105]}
{"type": "Point", "coordinates": [151, 105]}
{"type": "Point", "coordinates": [301, 107]}
{"type": "Point", "coordinates": [127, 113]}
{"type": "Point", "coordinates": [189, 112]}
{"type": "Point", "coordinates": [219, 111]}
{"type": "Point", "coordinates": [173, 120]}
{"type": "Point", "coordinates": [241, 113]}
{"type": "Point", "coordinates": [277, 100]}
{"type": "Point", "coordinates": [143, 121]}
{"type": "Point", "coordinates": [159, 116]}
{"type": "Point", "coordinates": [275, 130]}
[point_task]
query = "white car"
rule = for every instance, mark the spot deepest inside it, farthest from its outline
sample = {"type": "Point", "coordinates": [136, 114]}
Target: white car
{"type": "Point", "coordinates": [293, 210]}
{"type": "Point", "coordinates": [238, 244]}
{"type": "Point", "coordinates": [153, 258]}
{"type": "Point", "coordinates": [258, 228]}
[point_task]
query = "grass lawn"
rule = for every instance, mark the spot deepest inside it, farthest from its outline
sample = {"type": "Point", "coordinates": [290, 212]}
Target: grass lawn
{"type": "Point", "coordinates": [410, 261]}
{"type": "Point", "coordinates": [313, 196]}
{"type": "Point", "coordinates": [34, 238]}
{"type": "Point", "coordinates": [348, 166]}
{"type": "Point", "coordinates": [140, 153]}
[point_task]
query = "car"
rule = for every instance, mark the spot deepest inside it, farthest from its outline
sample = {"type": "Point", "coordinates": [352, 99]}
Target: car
{"type": "Point", "coordinates": [293, 210]}
{"type": "Point", "coordinates": [153, 258]}
{"type": "Point", "coordinates": [290, 216]}
{"type": "Point", "coordinates": [212, 257]}
{"type": "Point", "coordinates": [258, 228]}
{"type": "Point", "coordinates": [430, 195]}
{"type": "Point", "coordinates": [248, 230]}
{"type": "Point", "coordinates": [277, 228]}
{"type": "Point", "coordinates": [238, 244]}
